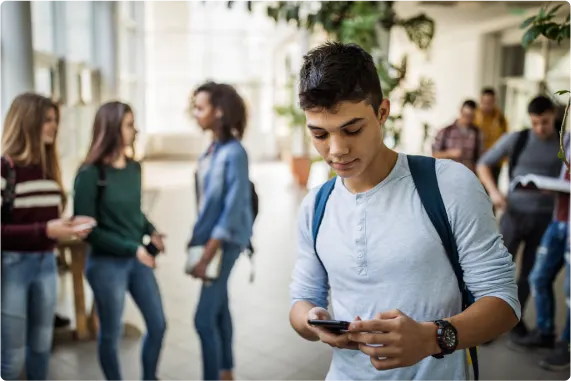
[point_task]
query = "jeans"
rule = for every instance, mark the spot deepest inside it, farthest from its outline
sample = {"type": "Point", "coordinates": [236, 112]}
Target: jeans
{"type": "Point", "coordinates": [565, 334]}
{"type": "Point", "coordinates": [213, 321]}
{"type": "Point", "coordinates": [549, 260]}
{"type": "Point", "coordinates": [526, 228]}
{"type": "Point", "coordinates": [29, 300]}
{"type": "Point", "coordinates": [111, 278]}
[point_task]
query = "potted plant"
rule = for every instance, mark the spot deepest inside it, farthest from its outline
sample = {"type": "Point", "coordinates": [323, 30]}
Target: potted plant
{"type": "Point", "coordinates": [300, 160]}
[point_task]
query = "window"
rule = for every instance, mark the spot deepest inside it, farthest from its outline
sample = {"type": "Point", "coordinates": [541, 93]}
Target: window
{"type": "Point", "coordinates": [43, 26]}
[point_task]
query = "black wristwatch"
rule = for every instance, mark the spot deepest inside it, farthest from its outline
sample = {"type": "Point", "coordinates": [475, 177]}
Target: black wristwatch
{"type": "Point", "coordinates": [447, 338]}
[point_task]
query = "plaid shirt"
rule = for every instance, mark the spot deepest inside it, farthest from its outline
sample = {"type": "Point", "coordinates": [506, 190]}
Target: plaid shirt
{"type": "Point", "coordinates": [469, 140]}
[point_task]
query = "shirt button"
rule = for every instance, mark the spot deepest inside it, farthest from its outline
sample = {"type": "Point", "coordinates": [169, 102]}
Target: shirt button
{"type": "Point", "coordinates": [360, 227]}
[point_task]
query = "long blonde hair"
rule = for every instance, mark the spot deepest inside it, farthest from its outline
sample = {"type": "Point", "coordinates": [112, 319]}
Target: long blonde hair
{"type": "Point", "coordinates": [22, 136]}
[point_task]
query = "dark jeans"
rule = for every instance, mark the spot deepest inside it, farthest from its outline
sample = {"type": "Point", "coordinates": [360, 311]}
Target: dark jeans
{"type": "Point", "coordinates": [213, 321]}
{"type": "Point", "coordinates": [551, 255]}
{"type": "Point", "coordinates": [29, 300]}
{"type": "Point", "coordinates": [111, 278]}
{"type": "Point", "coordinates": [526, 228]}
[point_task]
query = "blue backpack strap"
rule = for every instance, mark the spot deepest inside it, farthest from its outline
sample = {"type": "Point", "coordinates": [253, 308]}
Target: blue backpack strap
{"type": "Point", "coordinates": [423, 172]}
{"type": "Point", "coordinates": [319, 210]}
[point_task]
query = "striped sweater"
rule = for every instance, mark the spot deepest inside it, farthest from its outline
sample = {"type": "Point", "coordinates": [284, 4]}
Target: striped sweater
{"type": "Point", "coordinates": [37, 201]}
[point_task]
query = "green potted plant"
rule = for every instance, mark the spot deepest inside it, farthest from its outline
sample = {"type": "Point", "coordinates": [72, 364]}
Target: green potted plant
{"type": "Point", "coordinates": [300, 160]}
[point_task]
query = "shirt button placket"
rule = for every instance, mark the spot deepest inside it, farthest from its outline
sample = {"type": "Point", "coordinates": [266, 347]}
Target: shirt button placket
{"type": "Point", "coordinates": [360, 241]}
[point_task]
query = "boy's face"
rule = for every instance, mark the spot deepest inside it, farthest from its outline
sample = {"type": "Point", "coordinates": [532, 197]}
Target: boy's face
{"type": "Point", "coordinates": [543, 125]}
{"type": "Point", "coordinates": [348, 137]}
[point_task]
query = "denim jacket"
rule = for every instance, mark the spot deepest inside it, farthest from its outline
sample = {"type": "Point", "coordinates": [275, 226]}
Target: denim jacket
{"type": "Point", "coordinates": [226, 209]}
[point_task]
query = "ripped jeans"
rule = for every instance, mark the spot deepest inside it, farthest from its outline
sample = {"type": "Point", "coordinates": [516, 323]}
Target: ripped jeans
{"type": "Point", "coordinates": [29, 300]}
{"type": "Point", "coordinates": [552, 254]}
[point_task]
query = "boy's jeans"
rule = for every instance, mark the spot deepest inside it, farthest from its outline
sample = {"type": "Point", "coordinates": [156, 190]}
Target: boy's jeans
{"type": "Point", "coordinates": [29, 300]}
{"type": "Point", "coordinates": [551, 255]}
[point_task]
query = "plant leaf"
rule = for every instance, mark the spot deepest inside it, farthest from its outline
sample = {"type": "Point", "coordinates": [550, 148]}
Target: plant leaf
{"type": "Point", "coordinates": [564, 32]}
{"type": "Point", "coordinates": [551, 31]}
{"type": "Point", "coordinates": [560, 155]}
{"type": "Point", "coordinates": [554, 9]}
{"type": "Point", "coordinates": [527, 22]}
{"type": "Point", "coordinates": [562, 92]}
{"type": "Point", "coordinates": [530, 35]}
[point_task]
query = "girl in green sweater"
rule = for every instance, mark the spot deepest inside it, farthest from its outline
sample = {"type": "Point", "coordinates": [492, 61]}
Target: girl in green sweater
{"type": "Point", "coordinates": [108, 188]}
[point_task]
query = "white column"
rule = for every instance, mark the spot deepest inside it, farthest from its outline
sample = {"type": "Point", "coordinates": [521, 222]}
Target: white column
{"type": "Point", "coordinates": [105, 39]}
{"type": "Point", "coordinates": [17, 55]}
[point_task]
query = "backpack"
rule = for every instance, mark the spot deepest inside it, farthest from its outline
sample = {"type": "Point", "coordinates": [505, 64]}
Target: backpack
{"type": "Point", "coordinates": [522, 138]}
{"type": "Point", "coordinates": [250, 249]}
{"type": "Point", "coordinates": [423, 173]}
{"type": "Point", "coordinates": [7, 196]}
{"type": "Point", "coordinates": [101, 184]}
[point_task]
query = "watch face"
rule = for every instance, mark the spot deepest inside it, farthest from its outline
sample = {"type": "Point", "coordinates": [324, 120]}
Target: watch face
{"type": "Point", "coordinates": [449, 337]}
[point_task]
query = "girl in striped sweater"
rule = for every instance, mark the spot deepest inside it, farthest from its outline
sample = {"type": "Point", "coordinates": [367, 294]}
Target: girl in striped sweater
{"type": "Point", "coordinates": [32, 200]}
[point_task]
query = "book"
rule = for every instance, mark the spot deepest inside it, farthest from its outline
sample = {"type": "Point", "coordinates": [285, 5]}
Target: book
{"type": "Point", "coordinates": [194, 255]}
{"type": "Point", "coordinates": [539, 182]}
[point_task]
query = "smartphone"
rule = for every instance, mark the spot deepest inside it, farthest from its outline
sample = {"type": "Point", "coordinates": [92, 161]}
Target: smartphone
{"type": "Point", "coordinates": [336, 326]}
{"type": "Point", "coordinates": [152, 249]}
{"type": "Point", "coordinates": [85, 226]}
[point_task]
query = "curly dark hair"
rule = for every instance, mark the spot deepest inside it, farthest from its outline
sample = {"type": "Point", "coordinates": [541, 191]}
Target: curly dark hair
{"type": "Point", "coordinates": [234, 116]}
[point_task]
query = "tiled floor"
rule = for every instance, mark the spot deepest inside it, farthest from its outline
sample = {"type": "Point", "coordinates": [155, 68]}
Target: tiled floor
{"type": "Point", "coordinates": [265, 345]}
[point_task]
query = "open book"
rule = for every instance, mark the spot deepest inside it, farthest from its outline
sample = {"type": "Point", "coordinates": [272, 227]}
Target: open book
{"type": "Point", "coordinates": [540, 182]}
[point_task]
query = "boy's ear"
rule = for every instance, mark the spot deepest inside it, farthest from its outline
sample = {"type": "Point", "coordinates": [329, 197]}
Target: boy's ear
{"type": "Point", "coordinates": [384, 111]}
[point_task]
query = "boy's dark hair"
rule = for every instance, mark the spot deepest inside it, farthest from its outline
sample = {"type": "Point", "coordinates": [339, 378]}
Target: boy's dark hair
{"type": "Point", "coordinates": [489, 91]}
{"type": "Point", "coordinates": [470, 104]}
{"type": "Point", "coordinates": [336, 72]}
{"type": "Point", "coordinates": [539, 105]}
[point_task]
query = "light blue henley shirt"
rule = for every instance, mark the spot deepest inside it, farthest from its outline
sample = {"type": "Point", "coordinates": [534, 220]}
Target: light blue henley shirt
{"type": "Point", "coordinates": [382, 252]}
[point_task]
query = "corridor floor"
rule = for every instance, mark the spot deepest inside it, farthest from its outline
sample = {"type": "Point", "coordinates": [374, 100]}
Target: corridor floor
{"type": "Point", "coordinates": [265, 345]}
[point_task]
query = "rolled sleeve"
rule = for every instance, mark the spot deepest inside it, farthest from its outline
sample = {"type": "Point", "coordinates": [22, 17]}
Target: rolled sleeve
{"type": "Point", "coordinates": [488, 267]}
{"type": "Point", "coordinates": [221, 234]}
{"type": "Point", "coordinates": [309, 278]}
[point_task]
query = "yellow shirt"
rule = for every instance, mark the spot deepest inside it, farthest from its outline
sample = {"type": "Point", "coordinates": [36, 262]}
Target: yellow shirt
{"type": "Point", "coordinates": [493, 126]}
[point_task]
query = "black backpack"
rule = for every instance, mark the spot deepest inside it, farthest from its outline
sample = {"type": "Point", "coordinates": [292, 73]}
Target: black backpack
{"type": "Point", "coordinates": [255, 209]}
{"type": "Point", "coordinates": [250, 249]}
{"type": "Point", "coordinates": [7, 197]}
{"type": "Point", "coordinates": [522, 138]}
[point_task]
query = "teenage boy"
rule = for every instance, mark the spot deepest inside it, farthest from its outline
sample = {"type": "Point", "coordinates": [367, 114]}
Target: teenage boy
{"type": "Point", "coordinates": [378, 249]}
{"type": "Point", "coordinates": [526, 213]}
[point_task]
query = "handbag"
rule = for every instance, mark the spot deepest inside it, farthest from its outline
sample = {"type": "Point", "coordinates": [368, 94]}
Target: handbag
{"type": "Point", "coordinates": [194, 255]}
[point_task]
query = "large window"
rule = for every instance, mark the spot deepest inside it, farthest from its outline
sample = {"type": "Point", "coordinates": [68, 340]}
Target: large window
{"type": "Point", "coordinates": [79, 25]}
{"type": "Point", "coordinates": [43, 33]}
